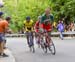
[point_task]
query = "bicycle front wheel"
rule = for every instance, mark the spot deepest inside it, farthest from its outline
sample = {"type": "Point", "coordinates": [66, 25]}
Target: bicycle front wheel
{"type": "Point", "coordinates": [52, 48]}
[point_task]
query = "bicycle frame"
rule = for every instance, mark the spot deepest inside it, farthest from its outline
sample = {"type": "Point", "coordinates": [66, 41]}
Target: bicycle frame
{"type": "Point", "coordinates": [46, 38]}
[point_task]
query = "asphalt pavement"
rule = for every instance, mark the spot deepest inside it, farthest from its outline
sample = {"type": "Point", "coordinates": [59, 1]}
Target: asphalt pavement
{"type": "Point", "coordinates": [18, 49]}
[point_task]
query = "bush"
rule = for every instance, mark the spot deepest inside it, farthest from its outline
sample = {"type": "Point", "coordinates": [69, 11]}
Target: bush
{"type": "Point", "coordinates": [19, 9]}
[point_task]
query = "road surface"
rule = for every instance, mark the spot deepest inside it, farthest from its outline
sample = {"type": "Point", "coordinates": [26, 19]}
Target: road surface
{"type": "Point", "coordinates": [65, 51]}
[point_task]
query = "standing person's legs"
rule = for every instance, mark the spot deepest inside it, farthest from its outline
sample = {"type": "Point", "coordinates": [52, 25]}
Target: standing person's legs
{"type": "Point", "coordinates": [4, 39]}
{"type": "Point", "coordinates": [5, 44]}
{"type": "Point", "coordinates": [2, 46]}
{"type": "Point", "coordinates": [61, 35]}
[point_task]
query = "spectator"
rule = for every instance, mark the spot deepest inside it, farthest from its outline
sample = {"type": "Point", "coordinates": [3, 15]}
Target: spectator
{"type": "Point", "coordinates": [9, 31]}
{"type": "Point", "coordinates": [4, 26]}
{"type": "Point", "coordinates": [60, 28]}
{"type": "Point", "coordinates": [71, 26]}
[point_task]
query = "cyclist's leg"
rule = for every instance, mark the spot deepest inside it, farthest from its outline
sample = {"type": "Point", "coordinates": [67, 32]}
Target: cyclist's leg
{"type": "Point", "coordinates": [27, 37]}
{"type": "Point", "coordinates": [32, 42]}
{"type": "Point", "coordinates": [41, 41]}
{"type": "Point", "coordinates": [31, 39]}
{"type": "Point", "coordinates": [48, 38]}
{"type": "Point", "coordinates": [37, 38]}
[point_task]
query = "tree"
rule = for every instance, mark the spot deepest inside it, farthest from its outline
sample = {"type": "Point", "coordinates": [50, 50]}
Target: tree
{"type": "Point", "coordinates": [19, 9]}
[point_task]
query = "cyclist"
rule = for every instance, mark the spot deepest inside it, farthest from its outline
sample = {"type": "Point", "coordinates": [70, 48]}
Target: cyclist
{"type": "Point", "coordinates": [28, 26]}
{"type": "Point", "coordinates": [36, 28]}
{"type": "Point", "coordinates": [46, 22]}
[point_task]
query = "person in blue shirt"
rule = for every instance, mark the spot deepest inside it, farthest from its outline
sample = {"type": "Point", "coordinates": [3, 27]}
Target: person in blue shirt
{"type": "Point", "coordinates": [60, 28]}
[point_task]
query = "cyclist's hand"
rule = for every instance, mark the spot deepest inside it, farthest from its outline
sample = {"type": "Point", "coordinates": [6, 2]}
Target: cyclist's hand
{"type": "Point", "coordinates": [50, 30]}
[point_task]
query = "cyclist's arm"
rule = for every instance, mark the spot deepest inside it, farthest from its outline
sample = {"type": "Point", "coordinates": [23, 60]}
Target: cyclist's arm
{"type": "Point", "coordinates": [42, 19]}
{"type": "Point", "coordinates": [24, 27]}
{"type": "Point", "coordinates": [52, 19]}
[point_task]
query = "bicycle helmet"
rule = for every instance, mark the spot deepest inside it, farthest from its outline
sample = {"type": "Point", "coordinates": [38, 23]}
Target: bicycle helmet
{"type": "Point", "coordinates": [28, 18]}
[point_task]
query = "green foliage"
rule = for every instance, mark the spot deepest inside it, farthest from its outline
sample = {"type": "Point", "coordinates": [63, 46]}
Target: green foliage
{"type": "Point", "coordinates": [19, 9]}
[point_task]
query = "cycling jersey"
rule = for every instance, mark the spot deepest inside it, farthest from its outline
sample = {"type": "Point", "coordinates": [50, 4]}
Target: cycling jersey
{"type": "Point", "coordinates": [44, 17]}
{"type": "Point", "coordinates": [46, 26]}
{"type": "Point", "coordinates": [28, 25]}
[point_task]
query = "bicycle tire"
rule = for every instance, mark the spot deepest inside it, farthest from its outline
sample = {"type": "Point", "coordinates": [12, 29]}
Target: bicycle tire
{"type": "Point", "coordinates": [52, 50]}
